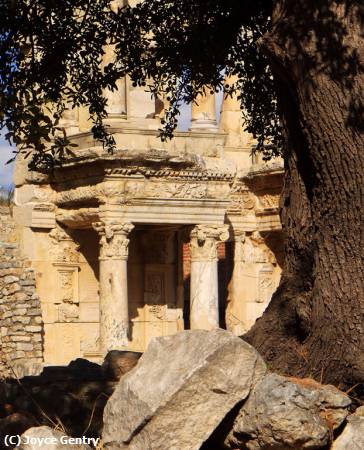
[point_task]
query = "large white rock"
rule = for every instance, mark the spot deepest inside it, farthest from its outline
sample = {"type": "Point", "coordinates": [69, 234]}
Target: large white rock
{"type": "Point", "coordinates": [288, 414]}
{"type": "Point", "coordinates": [180, 391]}
{"type": "Point", "coordinates": [352, 438]}
{"type": "Point", "coordinates": [46, 438]}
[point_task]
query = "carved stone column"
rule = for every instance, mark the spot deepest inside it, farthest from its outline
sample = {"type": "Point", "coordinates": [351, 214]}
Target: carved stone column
{"type": "Point", "coordinates": [116, 100]}
{"type": "Point", "coordinates": [204, 114]}
{"type": "Point", "coordinates": [114, 313]}
{"type": "Point", "coordinates": [204, 306]}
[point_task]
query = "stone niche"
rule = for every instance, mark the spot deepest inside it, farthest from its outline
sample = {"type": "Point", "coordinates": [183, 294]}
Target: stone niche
{"type": "Point", "coordinates": [152, 270]}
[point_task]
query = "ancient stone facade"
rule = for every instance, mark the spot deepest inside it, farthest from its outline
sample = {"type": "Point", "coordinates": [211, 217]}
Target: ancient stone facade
{"type": "Point", "coordinates": [154, 238]}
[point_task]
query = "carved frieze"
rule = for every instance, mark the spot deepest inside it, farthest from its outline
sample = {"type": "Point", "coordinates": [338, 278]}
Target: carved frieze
{"type": "Point", "coordinates": [164, 189]}
{"type": "Point", "coordinates": [242, 200]}
{"type": "Point", "coordinates": [114, 242]}
{"type": "Point", "coordinates": [204, 240]}
{"type": "Point", "coordinates": [269, 200]}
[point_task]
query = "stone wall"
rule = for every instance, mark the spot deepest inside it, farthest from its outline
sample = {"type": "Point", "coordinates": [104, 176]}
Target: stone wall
{"type": "Point", "coordinates": [21, 327]}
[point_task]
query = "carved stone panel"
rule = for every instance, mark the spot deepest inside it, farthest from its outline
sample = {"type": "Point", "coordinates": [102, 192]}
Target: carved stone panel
{"type": "Point", "coordinates": [67, 295]}
{"type": "Point", "coordinates": [265, 284]}
{"type": "Point", "coordinates": [64, 249]}
{"type": "Point", "coordinates": [256, 249]}
{"type": "Point", "coordinates": [242, 201]}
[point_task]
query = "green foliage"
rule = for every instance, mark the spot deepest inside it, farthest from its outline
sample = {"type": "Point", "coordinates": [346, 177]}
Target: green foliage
{"type": "Point", "coordinates": [51, 54]}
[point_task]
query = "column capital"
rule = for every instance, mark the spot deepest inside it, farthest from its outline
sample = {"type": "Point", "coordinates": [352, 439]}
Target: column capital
{"type": "Point", "coordinates": [204, 240]}
{"type": "Point", "coordinates": [238, 235]}
{"type": "Point", "coordinates": [114, 242]}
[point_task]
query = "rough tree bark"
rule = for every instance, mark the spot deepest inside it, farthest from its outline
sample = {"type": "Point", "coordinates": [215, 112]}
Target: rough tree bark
{"type": "Point", "coordinates": [314, 325]}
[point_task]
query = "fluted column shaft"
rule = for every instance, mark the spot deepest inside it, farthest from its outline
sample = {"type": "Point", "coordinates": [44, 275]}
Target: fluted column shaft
{"type": "Point", "coordinates": [114, 311]}
{"type": "Point", "coordinates": [204, 302]}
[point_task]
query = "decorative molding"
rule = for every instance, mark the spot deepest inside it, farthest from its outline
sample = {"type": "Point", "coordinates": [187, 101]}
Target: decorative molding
{"type": "Point", "coordinates": [114, 242]}
{"type": "Point", "coordinates": [197, 175]}
{"type": "Point", "coordinates": [204, 240]}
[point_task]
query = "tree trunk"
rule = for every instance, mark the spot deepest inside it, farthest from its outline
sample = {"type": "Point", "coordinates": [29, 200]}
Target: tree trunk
{"type": "Point", "coordinates": [314, 325]}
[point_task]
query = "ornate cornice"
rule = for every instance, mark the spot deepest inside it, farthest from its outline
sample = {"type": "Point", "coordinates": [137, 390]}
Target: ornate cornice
{"type": "Point", "coordinates": [198, 175]}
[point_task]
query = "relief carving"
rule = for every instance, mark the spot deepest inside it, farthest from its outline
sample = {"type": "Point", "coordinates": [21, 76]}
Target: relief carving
{"type": "Point", "coordinates": [114, 243]}
{"type": "Point", "coordinates": [256, 249]}
{"type": "Point", "coordinates": [66, 285]}
{"type": "Point", "coordinates": [68, 312]}
{"type": "Point", "coordinates": [242, 201]}
{"type": "Point", "coordinates": [239, 239]}
{"type": "Point", "coordinates": [67, 294]}
{"type": "Point", "coordinates": [111, 191]}
{"type": "Point", "coordinates": [265, 284]}
{"type": "Point", "coordinates": [155, 189]}
{"type": "Point", "coordinates": [269, 200]}
{"type": "Point", "coordinates": [204, 240]}
{"type": "Point", "coordinates": [64, 249]}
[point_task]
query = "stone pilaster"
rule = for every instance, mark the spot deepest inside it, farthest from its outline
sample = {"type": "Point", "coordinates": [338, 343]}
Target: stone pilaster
{"type": "Point", "coordinates": [204, 307]}
{"type": "Point", "coordinates": [234, 309]}
{"type": "Point", "coordinates": [114, 312]}
{"type": "Point", "coordinates": [204, 114]}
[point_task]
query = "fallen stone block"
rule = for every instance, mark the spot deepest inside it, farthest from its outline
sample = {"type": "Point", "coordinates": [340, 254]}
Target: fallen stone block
{"type": "Point", "coordinates": [352, 437]}
{"type": "Point", "coordinates": [288, 414]}
{"type": "Point", "coordinates": [181, 389]}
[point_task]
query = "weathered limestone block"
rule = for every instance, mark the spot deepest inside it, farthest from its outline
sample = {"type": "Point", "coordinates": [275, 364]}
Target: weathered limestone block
{"type": "Point", "coordinates": [47, 438]}
{"type": "Point", "coordinates": [180, 391]}
{"type": "Point", "coordinates": [352, 438]}
{"type": "Point", "coordinates": [288, 414]}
